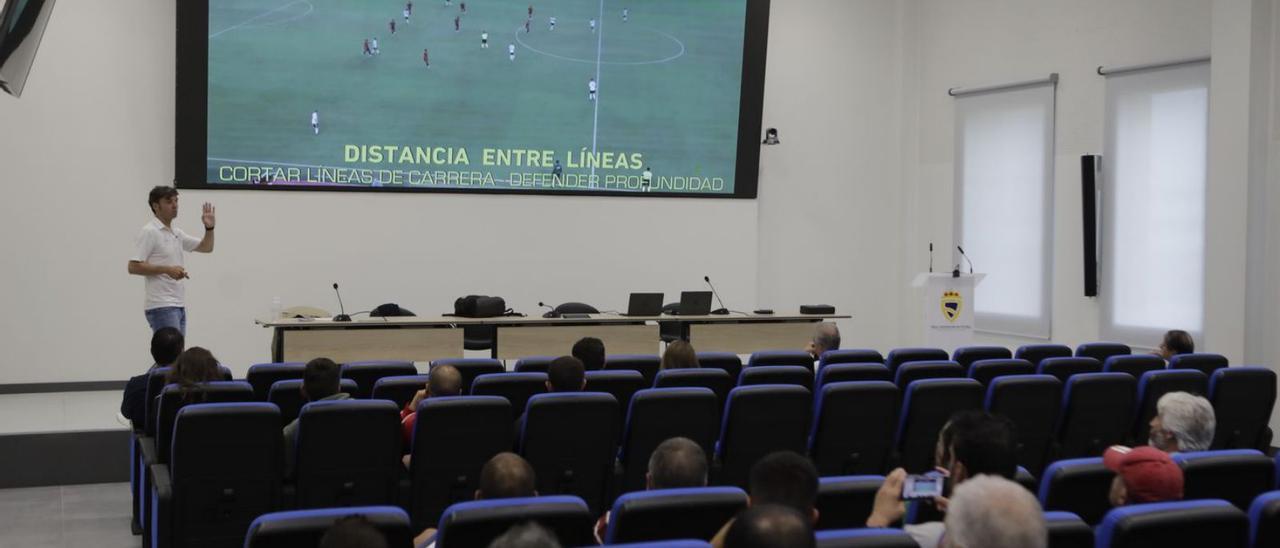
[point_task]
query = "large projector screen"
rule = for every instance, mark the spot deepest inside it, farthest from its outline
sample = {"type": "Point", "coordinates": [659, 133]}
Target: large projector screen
{"type": "Point", "coordinates": [584, 97]}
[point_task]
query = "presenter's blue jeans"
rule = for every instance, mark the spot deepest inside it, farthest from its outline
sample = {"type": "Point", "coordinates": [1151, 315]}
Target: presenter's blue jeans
{"type": "Point", "coordinates": [168, 316]}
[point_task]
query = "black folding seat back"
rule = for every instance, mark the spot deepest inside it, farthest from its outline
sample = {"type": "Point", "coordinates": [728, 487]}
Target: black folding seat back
{"type": "Point", "coordinates": [1242, 398]}
{"type": "Point", "coordinates": [864, 538]}
{"type": "Point", "coordinates": [853, 427]}
{"type": "Point", "coordinates": [1032, 403]}
{"type": "Point", "coordinates": [477, 523]}
{"type": "Point", "coordinates": [658, 414]}
{"type": "Point", "coordinates": [305, 528]}
{"type": "Point", "coordinates": [571, 439]}
{"type": "Point", "coordinates": [926, 406]}
{"type": "Point", "coordinates": [1067, 530]}
{"type": "Point", "coordinates": [646, 364]}
{"type": "Point", "coordinates": [453, 438]}
{"type": "Point", "coordinates": [777, 374]}
{"type": "Point", "coordinates": [759, 420]}
{"type": "Point", "coordinates": [850, 355]}
{"type": "Point", "coordinates": [155, 382]}
{"type": "Point", "coordinates": [287, 395]}
{"type": "Point", "coordinates": [470, 368]}
{"type": "Point", "coordinates": [1154, 384]}
{"type": "Point", "coordinates": [173, 398]}
{"type": "Point", "coordinates": [1234, 475]}
{"type": "Point", "coordinates": [781, 357]}
{"type": "Point", "coordinates": [399, 389]}
{"type": "Point", "coordinates": [985, 370]}
{"type": "Point", "coordinates": [1102, 350]}
{"type": "Point", "coordinates": [1264, 520]}
{"type": "Point", "coordinates": [850, 372]}
{"type": "Point", "coordinates": [899, 356]}
{"type": "Point", "coordinates": [727, 361]}
{"type": "Point", "coordinates": [1064, 368]}
{"type": "Point", "coordinates": [517, 388]}
{"type": "Point", "coordinates": [1036, 352]}
{"type": "Point", "coordinates": [534, 364]}
{"type": "Point", "coordinates": [966, 355]}
{"type": "Point", "coordinates": [1133, 364]}
{"type": "Point", "coordinates": [367, 373]}
{"type": "Point", "coordinates": [1204, 362]}
{"type": "Point", "coordinates": [913, 371]}
{"type": "Point", "coordinates": [622, 384]}
{"type": "Point", "coordinates": [715, 379]}
{"type": "Point", "coordinates": [1097, 411]}
{"type": "Point", "coordinates": [667, 514]}
{"type": "Point", "coordinates": [348, 453]}
{"type": "Point", "coordinates": [1184, 523]}
{"type": "Point", "coordinates": [845, 502]}
{"type": "Point", "coordinates": [262, 375]}
{"type": "Point", "coordinates": [1079, 486]}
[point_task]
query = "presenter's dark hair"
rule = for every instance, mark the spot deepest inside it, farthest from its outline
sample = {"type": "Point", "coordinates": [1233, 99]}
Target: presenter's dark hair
{"type": "Point", "coordinates": [321, 378]}
{"type": "Point", "coordinates": [159, 193]}
{"type": "Point", "coordinates": [1177, 341]}
{"type": "Point", "coordinates": [354, 531]}
{"type": "Point", "coordinates": [166, 344]}
{"type": "Point", "coordinates": [565, 374]}
{"type": "Point", "coordinates": [591, 351]}
{"type": "Point", "coordinates": [786, 478]}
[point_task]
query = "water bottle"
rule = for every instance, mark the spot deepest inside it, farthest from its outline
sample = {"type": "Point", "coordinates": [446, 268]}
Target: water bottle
{"type": "Point", "coordinates": [276, 309]}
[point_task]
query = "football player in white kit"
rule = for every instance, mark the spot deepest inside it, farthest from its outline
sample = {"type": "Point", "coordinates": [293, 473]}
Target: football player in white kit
{"type": "Point", "coordinates": [484, 39]}
{"type": "Point", "coordinates": [315, 122]}
{"type": "Point", "coordinates": [591, 89]}
{"type": "Point", "coordinates": [511, 51]}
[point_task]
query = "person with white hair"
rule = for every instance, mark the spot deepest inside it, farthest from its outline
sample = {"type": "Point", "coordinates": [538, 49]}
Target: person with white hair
{"type": "Point", "coordinates": [993, 512]}
{"type": "Point", "coordinates": [826, 336]}
{"type": "Point", "coordinates": [1183, 422]}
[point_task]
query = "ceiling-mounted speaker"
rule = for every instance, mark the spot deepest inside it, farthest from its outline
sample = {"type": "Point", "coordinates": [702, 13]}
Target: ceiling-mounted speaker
{"type": "Point", "coordinates": [22, 25]}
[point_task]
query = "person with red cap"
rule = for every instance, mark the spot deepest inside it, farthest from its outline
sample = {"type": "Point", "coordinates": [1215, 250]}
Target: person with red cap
{"type": "Point", "coordinates": [1143, 474]}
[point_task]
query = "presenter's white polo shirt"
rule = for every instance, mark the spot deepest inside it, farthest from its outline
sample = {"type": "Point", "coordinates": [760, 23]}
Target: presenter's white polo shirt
{"type": "Point", "coordinates": [163, 246]}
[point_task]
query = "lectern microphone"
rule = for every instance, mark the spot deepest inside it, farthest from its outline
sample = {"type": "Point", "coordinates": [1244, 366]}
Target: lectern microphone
{"type": "Point", "coordinates": [342, 317]}
{"type": "Point", "coordinates": [719, 311]}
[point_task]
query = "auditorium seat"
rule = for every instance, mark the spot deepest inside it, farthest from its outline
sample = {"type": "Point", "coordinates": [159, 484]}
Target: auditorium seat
{"type": "Point", "coordinates": [759, 420]}
{"type": "Point", "coordinates": [453, 438]}
{"type": "Point", "coordinates": [716, 380]}
{"type": "Point", "coordinates": [849, 355]}
{"type": "Point", "coordinates": [399, 389]}
{"type": "Point", "coordinates": [899, 356]}
{"type": "Point", "coordinates": [287, 395]}
{"type": "Point", "coordinates": [1184, 523]}
{"type": "Point", "coordinates": [1102, 350]}
{"type": "Point", "coordinates": [966, 355]}
{"type": "Point", "coordinates": [1036, 352]}
{"type": "Point", "coordinates": [156, 380]}
{"type": "Point", "coordinates": [1204, 362]}
{"type": "Point", "coordinates": [845, 502]}
{"type": "Point", "coordinates": [304, 528]}
{"type": "Point", "coordinates": [926, 406]}
{"type": "Point", "coordinates": [727, 361]}
{"type": "Point", "coordinates": [1264, 520]}
{"type": "Point", "coordinates": [262, 375]}
{"type": "Point", "coordinates": [853, 427]}
{"type": "Point", "coordinates": [1097, 412]}
{"type": "Point", "coordinates": [348, 454]}
{"type": "Point", "coordinates": [1067, 530]}
{"type": "Point", "coordinates": [864, 538]}
{"type": "Point", "coordinates": [985, 370]}
{"type": "Point", "coordinates": [1154, 384]}
{"type": "Point", "coordinates": [571, 439]}
{"type": "Point", "coordinates": [665, 514]}
{"type": "Point", "coordinates": [781, 357]}
{"type": "Point", "coordinates": [1079, 486]}
{"type": "Point", "coordinates": [1064, 368]}
{"type": "Point", "coordinates": [225, 471]}
{"type": "Point", "coordinates": [1133, 364]}
{"type": "Point", "coordinates": [533, 364]}
{"type": "Point", "coordinates": [477, 523]}
{"type": "Point", "coordinates": [1242, 399]}
{"type": "Point", "coordinates": [658, 414]}
{"type": "Point", "coordinates": [470, 368]}
{"type": "Point", "coordinates": [1234, 475]}
{"type": "Point", "coordinates": [776, 374]}
{"type": "Point", "coordinates": [850, 372]}
{"type": "Point", "coordinates": [516, 388]}
{"type": "Point", "coordinates": [914, 371]}
{"type": "Point", "coordinates": [367, 373]}
{"type": "Point", "coordinates": [646, 364]}
{"type": "Point", "coordinates": [1032, 403]}
{"type": "Point", "coordinates": [1025, 478]}
{"type": "Point", "coordinates": [679, 543]}
{"type": "Point", "coordinates": [622, 384]}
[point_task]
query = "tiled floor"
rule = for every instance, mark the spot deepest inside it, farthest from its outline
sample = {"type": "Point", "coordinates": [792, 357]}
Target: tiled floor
{"type": "Point", "coordinates": [72, 516]}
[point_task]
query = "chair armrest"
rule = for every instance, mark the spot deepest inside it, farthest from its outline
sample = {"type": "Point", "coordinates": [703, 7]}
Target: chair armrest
{"type": "Point", "coordinates": [161, 502]}
{"type": "Point", "coordinates": [147, 448]}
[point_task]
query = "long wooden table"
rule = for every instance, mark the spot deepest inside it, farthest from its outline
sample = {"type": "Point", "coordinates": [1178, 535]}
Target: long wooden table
{"type": "Point", "coordinates": [424, 338]}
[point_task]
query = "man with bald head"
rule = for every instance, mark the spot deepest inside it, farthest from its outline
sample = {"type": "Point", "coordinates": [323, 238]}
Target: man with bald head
{"type": "Point", "coordinates": [826, 336]}
{"type": "Point", "coordinates": [443, 380]}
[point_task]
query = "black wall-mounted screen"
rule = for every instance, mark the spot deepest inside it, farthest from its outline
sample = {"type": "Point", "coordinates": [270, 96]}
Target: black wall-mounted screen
{"type": "Point", "coordinates": [1090, 171]}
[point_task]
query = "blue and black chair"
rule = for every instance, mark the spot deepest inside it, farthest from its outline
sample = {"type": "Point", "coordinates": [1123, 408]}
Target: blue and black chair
{"type": "Point", "coordinates": [966, 355]}
{"type": "Point", "coordinates": [668, 514]}
{"type": "Point", "coordinates": [453, 438]}
{"type": "Point", "coordinates": [1064, 368]}
{"type": "Point", "coordinates": [853, 427]}
{"type": "Point", "coordinates": [1207, 522]}
{"type": "Point", "coordinates": [1264, 520]}
{"type": "Point", "coordinates": [781, 357]}
{"type": "Point", "coordinates": [305, 528]}
{"type": "Point", "coordinates": [1154, 384]}
{"type": "Point", "coordinates": [262, 375]}
{"type": "Point", "coordinates": [1234, 475]}
{"type": "Point", "coordinates": [777, 374]}
{"type": "Point", "coordinates": [534, 364]}
{"type": "Point", "coordinates": [571, 440]}
{"type": "Point", "coordinates": [728, 361]}
{"type": "Point", "coordinates": [1204, 362]}
{"type": "Point", "coordinates": [926, 406]}
{"type": "Point", "coordinates": [899, 356]}
{"type": "Point", "coordinates": [849, 355]}
{"type": "Point", "coordinates": [1242, 399]}
{"type": "Point", "coordinates": [1097, 412]}
{"type": "Point", "coordinates": [477, 523]}
{"type": "Point", "coordinates": [1133, 364]}
{"type": "Point", "coordinates": [1102, 350]}
{"type": "Point", "coordinates": [864, 538]}
{"type": "Point", "coordinates": [985, 370]}
{"type": "Point", "coordinates": [913, 371]}
{"type": "Point", "coordinates": [470, 368]}
{"type": "Point", "coordinates": [287, 395]}
{"type": "Point", "coordinates": [658, 414]}
{"type": "Point", "coordinates": [759, 420]}
{"type": "Point", "coordinates": [622, 384]}
{"type": "Point", "coordinates": [1036, 352]}
{"type": "Point", "coordinates": [1032, 403]}
{"type": "Point", "coordinates": [845, 502]}
{"type": "Point", "coordinates": [516, 388]}
{"type": "Point", "coordinates": [1067, 530]}
{"type": "Point", "coordinates": [714, 379]}
{"type": "Point", "coordinates": [850, 372]}
{"type": "Point", "coordinates": [646, 364]}
{"type": "Point", "coordinates": [367, 373]}
{"type": "Point", "coordinates": [399, 389]}
{"type": "Point", "coordinates": [348, 454]}
{"type": "Point", "coordinates": [1079, 486]}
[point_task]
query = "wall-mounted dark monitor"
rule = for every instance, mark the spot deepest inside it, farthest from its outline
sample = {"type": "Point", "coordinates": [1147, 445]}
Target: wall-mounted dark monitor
{"type": "Point", "coordinates": [577, 97]}
{"type": "Point", "coordinates": [22, 24]}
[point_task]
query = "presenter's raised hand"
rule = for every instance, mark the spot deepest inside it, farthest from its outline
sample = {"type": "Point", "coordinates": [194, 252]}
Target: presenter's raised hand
{"type": "Point", "coordinates": [207, 217]}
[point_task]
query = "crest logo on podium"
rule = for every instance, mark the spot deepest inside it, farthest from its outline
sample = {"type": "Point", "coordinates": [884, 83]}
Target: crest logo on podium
{"type": "Point", "coordinates": [951, 305]}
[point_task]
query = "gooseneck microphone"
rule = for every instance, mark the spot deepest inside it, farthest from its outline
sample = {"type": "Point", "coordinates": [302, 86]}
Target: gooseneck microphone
{"type": "Point", "coordinates": [966, 258]}
{"type": "Point", "coordinates": [343, 317]}
{"type": "Point", "coordinates": [719, 311]}
{"type": "Point", "coordinates": [551, 311]}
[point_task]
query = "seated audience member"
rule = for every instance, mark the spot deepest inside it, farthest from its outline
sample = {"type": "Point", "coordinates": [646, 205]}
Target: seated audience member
{"type": "Point", "coordinates": [993, 512]}
{"type": "Point", "coordinates": [166, 344]}
{"type": "Point", "coordinates": [590, 351]}
{"type": "Point", "coordinates": [1143, 474]}
{"type": "Point", "coordinates": [970, 444]}
{"type": "Point", "coordinates": [526, 535]}
{"type": "Point", "coordinates": [1176, 341]}
{"type": "Point", "coordinates": [444, 380]}
{"type": "Point", "coordinates": [781, 478]}
{"type": "Point", "coordinates": [679, 355]}
{"type": "Point", "coordinates": [194, 366]}
{"type": "Point", "coordinates": [564, 374]}
{"type": "Point", "coordinates": [321, 381]}
{"type": "Point", "coordinates": [353, 531]}
{"type": "Point", "coordinates": [505, 476]}
{"type": "Point", "coordinates": [1183, 422]}
{"type": "Point", "coordinates": [826, 336]}
{"type": "Point", "coordinates": [770, 526]}
{"type": "Point", "coordinates": [675, 463]}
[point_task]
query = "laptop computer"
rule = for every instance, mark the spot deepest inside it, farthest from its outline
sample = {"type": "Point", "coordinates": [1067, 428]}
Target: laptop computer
{"type": "Point", "coordinates": [644, 304]}
{"type": "Point", "coordinates": [695, 303]}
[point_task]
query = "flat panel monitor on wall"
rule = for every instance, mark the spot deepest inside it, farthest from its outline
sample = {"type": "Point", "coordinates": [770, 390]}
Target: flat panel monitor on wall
{"type": "Point", "coordinates": [660, 98]}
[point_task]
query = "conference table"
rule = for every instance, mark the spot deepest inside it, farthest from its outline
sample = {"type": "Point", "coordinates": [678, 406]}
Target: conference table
{"type": "Point", "coordinates": [425, 338]}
